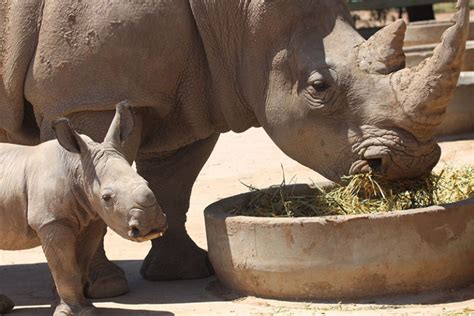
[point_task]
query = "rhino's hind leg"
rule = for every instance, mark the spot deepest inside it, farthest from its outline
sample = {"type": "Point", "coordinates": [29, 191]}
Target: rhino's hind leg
{"type": "Point", "coordinates": [106, 279]}
{"type": "Point", "coordinates": [6, 304]}
{"type": "Point", "coordinates": [175, 256]}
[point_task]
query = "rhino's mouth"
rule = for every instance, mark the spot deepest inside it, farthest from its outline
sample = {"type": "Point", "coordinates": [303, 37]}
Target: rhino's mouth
{"type": "Point", "coordinates": [374, 165]}
{"type": "Point", "coordinates": [153, 234]}
{"type": "Point", "coordinates": [393, 164]}
{"type": "Point", "coordinates": [392, 153]}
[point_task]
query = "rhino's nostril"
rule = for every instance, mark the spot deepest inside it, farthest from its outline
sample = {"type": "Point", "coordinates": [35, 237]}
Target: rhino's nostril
{"type": "Point", "coordinates": [133, 232]}
{"type": "Point", "coordinates": [375, 164]}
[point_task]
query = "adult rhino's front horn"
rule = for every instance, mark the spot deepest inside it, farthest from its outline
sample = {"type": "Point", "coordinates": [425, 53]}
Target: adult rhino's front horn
{"type": "Point", "coordinates": [423, 92]}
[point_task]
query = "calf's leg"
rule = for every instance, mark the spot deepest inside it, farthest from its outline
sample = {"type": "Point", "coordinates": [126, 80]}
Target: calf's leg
{"type": "Point", "coordinates": [175, 255]}
{"type": "Point", "coordinates": [59, 246]}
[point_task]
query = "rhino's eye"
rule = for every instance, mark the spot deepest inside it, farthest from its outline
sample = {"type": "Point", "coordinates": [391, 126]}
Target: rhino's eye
{"type": "Point", "coordinates": [318, 92]}
{"type": "Point", "coordinates": [321, 90]}
{"type": "Point", "coordinates": [320, 86]}
{"type": "Point", "coordinates": [319, 83]}
{"type": "Point", "coordinates": [108, 198]}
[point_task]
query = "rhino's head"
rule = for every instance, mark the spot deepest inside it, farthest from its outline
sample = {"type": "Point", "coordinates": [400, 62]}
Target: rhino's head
{"type": "Point", "coordinates": [333, 101]}
{"type": "Point", "coordinates": [107, 182]}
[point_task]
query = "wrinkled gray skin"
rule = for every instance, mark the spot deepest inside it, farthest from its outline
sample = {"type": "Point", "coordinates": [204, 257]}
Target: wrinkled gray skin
{"type": "Point", "coordinates": [198, 68]}
{"type": "Point", "coordinates": [59, 194]}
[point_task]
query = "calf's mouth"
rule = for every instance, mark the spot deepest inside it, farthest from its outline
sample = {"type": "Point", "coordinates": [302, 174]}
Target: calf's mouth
{"type": "Point", "coordinates": [134, 234]}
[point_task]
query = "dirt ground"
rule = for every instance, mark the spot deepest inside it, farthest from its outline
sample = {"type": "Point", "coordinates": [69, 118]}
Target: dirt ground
{"type": "Point", "coordinates": [250, 158]}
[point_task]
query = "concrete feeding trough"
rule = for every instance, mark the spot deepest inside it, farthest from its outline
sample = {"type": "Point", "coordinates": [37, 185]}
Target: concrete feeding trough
{"type": "Point", "coordinates": [341, 257]}
{"type": "Point", "coordinates": [422, 37]}
{"type": "Point", "coordinates": [429, 32]}
{"type": "Point", "coordinates": [415, 54]}
{"type": "Point", "coordinates": [459, 117]}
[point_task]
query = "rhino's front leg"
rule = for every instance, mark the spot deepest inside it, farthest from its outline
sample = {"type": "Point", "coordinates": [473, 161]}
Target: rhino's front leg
{"type": "Point", "coordinates": [175, 256]}
{"type": "Point", "coordinates": [59, 246]}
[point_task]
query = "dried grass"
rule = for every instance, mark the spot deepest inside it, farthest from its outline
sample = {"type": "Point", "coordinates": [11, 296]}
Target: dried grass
{"type": "Point", "coordinates": [362, 194]}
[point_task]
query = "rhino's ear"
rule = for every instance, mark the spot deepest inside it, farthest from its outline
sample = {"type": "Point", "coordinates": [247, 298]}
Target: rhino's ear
{"type": "Point", "coordinates": [122, 125]}
{"type": "Point", "coordinates": [67, 137]}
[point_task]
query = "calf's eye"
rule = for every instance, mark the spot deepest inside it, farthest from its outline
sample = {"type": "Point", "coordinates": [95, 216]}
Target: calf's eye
{"type": "Point", "coordinates": [106, 197]}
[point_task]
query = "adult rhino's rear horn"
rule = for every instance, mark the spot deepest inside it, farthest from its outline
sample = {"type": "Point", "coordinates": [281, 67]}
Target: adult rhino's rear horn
{"type": "Point", "coordinates": [383, 52]}
{"type": "Point", "coordinates": [425, 91]}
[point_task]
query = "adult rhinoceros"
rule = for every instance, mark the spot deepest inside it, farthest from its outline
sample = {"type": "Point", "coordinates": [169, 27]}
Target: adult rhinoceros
{"type": "Point", "coordinates": [198, 68]}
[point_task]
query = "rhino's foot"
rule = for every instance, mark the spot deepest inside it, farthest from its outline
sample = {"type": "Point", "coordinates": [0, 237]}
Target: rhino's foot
{"type": "Point", "coordinates": [65, 310]}
{"type": "Point", "coordinates": [106, 280]}
{"type": "Point", "coordinates": [176, 259]}
{"type": "Point", "coordinates": [6, 304]}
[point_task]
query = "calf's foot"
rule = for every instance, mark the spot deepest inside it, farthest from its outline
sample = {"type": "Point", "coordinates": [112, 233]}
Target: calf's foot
{"type": "Point", "coordinates": [6, 304]}
{"type": "Point", "coordinates": [176, 257]}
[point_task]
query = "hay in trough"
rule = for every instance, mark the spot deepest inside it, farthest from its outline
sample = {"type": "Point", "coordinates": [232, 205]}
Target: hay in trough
{"type": "Point", "coordinates": [362, 194]}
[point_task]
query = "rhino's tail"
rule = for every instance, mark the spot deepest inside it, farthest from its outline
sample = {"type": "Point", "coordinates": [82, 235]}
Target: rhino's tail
{"type": "Point", "coordinates": [19, 28]}
{"type": "Point", "coordinates": [6, 304]}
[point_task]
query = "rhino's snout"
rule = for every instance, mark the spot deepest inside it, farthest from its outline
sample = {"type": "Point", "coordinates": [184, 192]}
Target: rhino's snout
{"type": "Point", "coordinates": [144, 196]}
{"type": "Point", "coordinates": [141, 228]}
{"type": "Point", "coordinates": [133, 232]}
{"type": "Point", "coordinates": [136, 234]}
{"type": "Point", "coordinates": [392, 153]}
{"type": "Point", "coordinates": [375, 165]}
{"type": "Point", "coordinates": [397, 166]}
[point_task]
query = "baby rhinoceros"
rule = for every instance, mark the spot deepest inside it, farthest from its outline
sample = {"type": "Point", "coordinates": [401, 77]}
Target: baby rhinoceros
{"type": "Point", "coordinates": [59, 193]}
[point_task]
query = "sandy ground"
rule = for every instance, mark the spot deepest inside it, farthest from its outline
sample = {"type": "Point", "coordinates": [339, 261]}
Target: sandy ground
{"type": "Point", "coordinates": [250, 158]}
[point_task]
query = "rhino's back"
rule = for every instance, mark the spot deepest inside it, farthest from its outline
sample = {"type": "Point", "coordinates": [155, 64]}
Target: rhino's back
{"type": "Point", "coordinates": [92, 54]}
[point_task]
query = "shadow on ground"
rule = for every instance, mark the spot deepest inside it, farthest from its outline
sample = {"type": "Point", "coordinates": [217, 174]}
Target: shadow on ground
{"type": "Point", "coordinates": [44, 311]}
{"type": "Point", "coordinates": [30, 287]}
{"type": "Point", "coordinates": [423, 298]}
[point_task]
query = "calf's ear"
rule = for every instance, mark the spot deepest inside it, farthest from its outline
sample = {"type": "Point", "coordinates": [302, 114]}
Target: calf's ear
{"type": "Point", "coordinates": [122, 125]}
{"type": "Point", "coordinates": [67, 137]}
